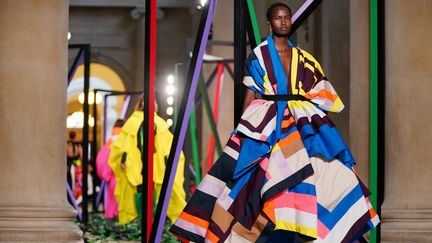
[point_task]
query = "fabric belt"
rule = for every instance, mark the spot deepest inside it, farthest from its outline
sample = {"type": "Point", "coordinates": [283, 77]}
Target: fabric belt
{"type": "Point", "coordinates": [285, 97]}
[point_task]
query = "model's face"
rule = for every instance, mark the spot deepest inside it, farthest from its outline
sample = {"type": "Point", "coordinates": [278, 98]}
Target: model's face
{"type": "Point", "coordinates": [280, 21]}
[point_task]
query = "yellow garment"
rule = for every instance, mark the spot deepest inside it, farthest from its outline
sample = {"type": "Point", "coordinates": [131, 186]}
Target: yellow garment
{"type": "Point", "coordinates": [163, 140]}
{"type": "Point", "coordinates": [130, 177]}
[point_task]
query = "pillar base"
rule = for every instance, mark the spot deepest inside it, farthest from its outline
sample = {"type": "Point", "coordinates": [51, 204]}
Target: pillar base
{"type": "Point", "coordinates": [43, 224]}
{"type": "Point", "coordinates": [406, 225]}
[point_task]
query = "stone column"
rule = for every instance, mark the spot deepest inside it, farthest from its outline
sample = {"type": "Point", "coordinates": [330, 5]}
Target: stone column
{"type": "Point", "coordinates": [359, 86]}
{"type": "Point", "coordinates": [33, 71]}
{"type": "Point", "coordinates": [407, 208]}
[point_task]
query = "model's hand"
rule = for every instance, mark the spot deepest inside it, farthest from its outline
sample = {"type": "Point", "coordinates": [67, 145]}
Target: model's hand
{"type": "Point", "coordinates": [123, 161]}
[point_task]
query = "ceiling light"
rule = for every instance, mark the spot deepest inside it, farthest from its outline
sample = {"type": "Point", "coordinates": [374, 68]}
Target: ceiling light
{"type": "Point", "coordinates": [90, 98]}
{"type": "Point", "coordinates": [170, 89]}
{"type": "Point", "coordinates": [169, 111]}
{"type": "Point", "coordinates": [170, 122]}
{"type": "Point", "coordinates": [170, 79]}
{"type": "Point", "coordinates": [170, 100]}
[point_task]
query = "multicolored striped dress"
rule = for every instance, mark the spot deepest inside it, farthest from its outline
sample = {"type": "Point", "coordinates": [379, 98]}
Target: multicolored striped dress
{"type": "Point", "coordinates": [285, 167]}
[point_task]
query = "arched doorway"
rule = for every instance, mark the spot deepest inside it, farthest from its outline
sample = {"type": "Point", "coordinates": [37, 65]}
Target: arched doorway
{"type": "Point", "coordinates": [101, 77]}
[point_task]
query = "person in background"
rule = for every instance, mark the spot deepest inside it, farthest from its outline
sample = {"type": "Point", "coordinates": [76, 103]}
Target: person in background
{"type": "Point", "coordinates": [105, 172]}
{"type": "Point", "coordinates": [74, 158]}
{"type": "Point", "coordinates": [125, 161]}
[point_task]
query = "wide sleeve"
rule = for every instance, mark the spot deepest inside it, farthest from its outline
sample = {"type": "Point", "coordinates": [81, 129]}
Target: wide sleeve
{"type": "Point", "coordinates": [134, 165]}
{"type": "Point", "coordinates": [258, 120]}
{"type": "Point", "coordinates": [127, 143]}
{"type": "Point", "coordinates": [322, 92]}
{"type": "Point", "coordinates": [118, 148]}
{"type": "Point", "coordinates": [255, 76]}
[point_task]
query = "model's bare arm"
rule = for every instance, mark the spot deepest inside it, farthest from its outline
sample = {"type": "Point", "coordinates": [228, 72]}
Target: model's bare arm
{"type": "Point", "coordinates": [248, 98]}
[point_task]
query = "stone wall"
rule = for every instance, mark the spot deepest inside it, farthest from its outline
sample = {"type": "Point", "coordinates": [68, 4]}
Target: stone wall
{"type": "Point", "coordinates": [407, 208]}
{"type": "Point", "coordinates": [116, 35]}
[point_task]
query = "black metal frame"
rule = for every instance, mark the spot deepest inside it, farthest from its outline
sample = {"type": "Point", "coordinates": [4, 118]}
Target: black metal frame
{"type": "Point", "coordinates": [302, 18]}
{"type": "Point", "coordinates": [75, 64]}
{"type": "Point", "coordinates": [381, 110]}
{"type": "Point", "coordinates": [107, 94]}
{"type": "Point", "coordinates": [182, 111]}
{"type": "Point", "coordinates": [239, 56]}
{"type": "Point", "coordinates": [86, 48]}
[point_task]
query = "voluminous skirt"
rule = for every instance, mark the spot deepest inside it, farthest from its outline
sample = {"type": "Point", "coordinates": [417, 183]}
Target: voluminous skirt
{"type": "Point", "coordinates": [304, 184]}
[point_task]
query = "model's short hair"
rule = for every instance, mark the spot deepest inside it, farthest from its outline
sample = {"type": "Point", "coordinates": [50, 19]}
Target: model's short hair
{"type": "Point", "coordinates": [140, 105]}
{"type": "Point", "coordinates": [119, 123]}
{"type": "Point", "coordinates": [72, 135]}
{"type": "Point", "coordinates": [275, 5]}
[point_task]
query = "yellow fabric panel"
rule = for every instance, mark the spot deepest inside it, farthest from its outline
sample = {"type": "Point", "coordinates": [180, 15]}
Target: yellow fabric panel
{"type": "Point", "coordinates": [337, 105]}
{"type": "Point", "coordinates": [268, 89]}
{"type": "Point", "coordinates": [275, 148]}
{"type": "Point", "coordinates": [301, 92]}
{"type": "Point", "coordinates": [294, 67]}
{"type": "Point", "coordinates": [133, 161]}
{"type": "Point", "coordinates": [127, 179]}
{"type": "Point", "coordinates": [130, 177]}
{"type": "Point", "coordinates": [163, 141]}
{"type": "Point", "coordinates": [290, 226]}
{"type": "Point", "coordinates": [310, 67]}
{"type": "Point", "coordinates": [310, 57]}
{"type": "Point", "coordinates": [299, 105]}
{"type": "Point", "coordinates": [301, 58]}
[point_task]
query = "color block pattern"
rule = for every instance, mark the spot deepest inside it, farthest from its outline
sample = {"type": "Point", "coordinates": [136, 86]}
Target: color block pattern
{"type": "Point", "coordinates": [285, 167]}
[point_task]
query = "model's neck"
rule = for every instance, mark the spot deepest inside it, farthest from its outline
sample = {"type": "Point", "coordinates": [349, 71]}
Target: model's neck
{"type": "Point", "coordinates": [281, 43]}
